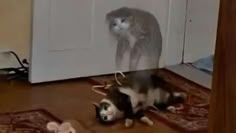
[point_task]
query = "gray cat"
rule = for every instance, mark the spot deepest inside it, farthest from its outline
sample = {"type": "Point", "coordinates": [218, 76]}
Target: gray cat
{"type": "Point", "coordinates": [136, 31]}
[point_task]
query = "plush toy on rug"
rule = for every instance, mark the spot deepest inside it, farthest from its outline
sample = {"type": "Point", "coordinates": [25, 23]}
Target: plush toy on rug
{"type": "Point", "coordinates": [70, 126]}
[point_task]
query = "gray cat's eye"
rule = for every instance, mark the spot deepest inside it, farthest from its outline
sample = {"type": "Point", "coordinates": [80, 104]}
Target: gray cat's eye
{"type": "Point", "coordinates": [123, 20]}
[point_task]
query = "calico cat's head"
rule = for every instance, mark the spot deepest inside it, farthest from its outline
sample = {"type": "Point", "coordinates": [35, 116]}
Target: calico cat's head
{"type": "Point", "coordinates": [106, 112]}
{"type": "Point", "coordinates": [120, 20]}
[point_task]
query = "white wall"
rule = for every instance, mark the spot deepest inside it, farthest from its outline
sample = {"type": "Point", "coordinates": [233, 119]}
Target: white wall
{"type": "Point", "coordinates": [15, 30]}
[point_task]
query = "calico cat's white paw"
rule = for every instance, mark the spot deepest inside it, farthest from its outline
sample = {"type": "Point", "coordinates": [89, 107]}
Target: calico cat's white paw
{"type": "Point", "coordinates": [128, 122]}
{"type": "Point", "coordinates": [147, 121]}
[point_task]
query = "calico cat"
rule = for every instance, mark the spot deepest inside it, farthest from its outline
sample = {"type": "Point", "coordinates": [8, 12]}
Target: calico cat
{"type": "Point", "coordinates": [136, 94]}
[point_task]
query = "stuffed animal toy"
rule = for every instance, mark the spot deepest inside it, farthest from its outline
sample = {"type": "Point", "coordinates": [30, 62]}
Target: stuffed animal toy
{"type": "Point", "coordinates": [70, 126]}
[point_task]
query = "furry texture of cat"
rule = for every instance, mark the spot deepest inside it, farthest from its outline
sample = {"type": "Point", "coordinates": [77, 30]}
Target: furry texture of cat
{"type": "Point", "coordinates": [138, 92]}
{"type": "Point", "coordinates": [138, 33]}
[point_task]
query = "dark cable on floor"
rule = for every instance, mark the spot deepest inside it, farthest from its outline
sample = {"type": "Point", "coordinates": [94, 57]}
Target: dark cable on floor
{"type": "Point", "coordinates": [19, 72]}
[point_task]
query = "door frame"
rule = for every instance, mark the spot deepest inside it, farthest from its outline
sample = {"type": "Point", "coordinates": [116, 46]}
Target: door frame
{"type": "Point", "coordinates": [222, 117]}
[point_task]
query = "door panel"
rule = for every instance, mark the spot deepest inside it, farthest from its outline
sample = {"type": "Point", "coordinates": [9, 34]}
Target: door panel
{"type": "Point", "coordinates": [60, 40]}
{"type": "Point", "coordinates": [70, 24]}
{"type": "Point", "coordinates": [201, 28]}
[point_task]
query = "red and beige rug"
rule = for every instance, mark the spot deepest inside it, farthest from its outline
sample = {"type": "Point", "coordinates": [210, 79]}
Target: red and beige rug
{"type": "Point", "coordinates": [33, 121]}
{"type": "Point", "coordinates": [192, 116]}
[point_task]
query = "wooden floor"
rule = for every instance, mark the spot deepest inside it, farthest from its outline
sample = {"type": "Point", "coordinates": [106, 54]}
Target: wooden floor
{"type": "Point", "coordinates": [66, 100]}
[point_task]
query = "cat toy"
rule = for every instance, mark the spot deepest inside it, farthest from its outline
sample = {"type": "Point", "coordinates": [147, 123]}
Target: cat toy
{"type": "Point", "coordinates": [107, 86]}
{"type": "Point", "coordinates": [69, 126]}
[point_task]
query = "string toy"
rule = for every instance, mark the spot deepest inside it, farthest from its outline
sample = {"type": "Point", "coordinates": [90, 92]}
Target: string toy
{"type": "Point", "coordinates": [122, 74]}
{"type": "Point", "coordinates": [94, 88]}
{"type": "Point", "coordinates": [107, 86]}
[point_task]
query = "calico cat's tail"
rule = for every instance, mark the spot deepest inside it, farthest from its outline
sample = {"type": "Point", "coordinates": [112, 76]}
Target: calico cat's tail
{"type": "Point", "coordinates": [172, 98]}
{"type": "Point", "coordinates": [176, 98]}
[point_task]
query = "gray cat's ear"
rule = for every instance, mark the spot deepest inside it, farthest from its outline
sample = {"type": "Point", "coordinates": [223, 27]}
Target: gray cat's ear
{"type": "Point", "coordinates": [108, 17]}
{"type": "Point", "coordinates": [131, 18]}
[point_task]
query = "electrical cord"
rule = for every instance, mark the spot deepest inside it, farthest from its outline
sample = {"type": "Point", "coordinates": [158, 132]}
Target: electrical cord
{"type": "Point", "coordinates": [17, 58]}
{"type": "Point", "coordinates": [19, 72]}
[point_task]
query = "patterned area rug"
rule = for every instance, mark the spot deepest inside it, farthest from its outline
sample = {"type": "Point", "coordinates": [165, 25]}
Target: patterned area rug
{"type": "Point", "coordinates": [192, 116]}
{"type": "Point", "coordinates": [33, 121]}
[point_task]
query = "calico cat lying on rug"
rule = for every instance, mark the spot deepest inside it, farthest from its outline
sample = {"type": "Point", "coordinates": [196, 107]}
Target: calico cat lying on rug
{"type": "Point", "coordinates": [134, 95]}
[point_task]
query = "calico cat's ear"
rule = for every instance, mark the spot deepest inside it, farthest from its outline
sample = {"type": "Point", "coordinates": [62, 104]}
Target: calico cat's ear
{"type": "Point", "coordinates": [96, 105]}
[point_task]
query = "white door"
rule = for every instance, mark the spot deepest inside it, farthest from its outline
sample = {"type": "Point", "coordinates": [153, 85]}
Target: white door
{"type": "Point", "coordinates": [201, 29]}
{"type": "Point", "coordinates": [71, 38]}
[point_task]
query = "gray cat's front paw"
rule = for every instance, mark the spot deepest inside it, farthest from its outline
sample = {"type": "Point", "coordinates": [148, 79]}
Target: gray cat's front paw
{"type": "Point", "coordinates": [147, 121]}
{"type": "Point", "coordinates": [128, 122]}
